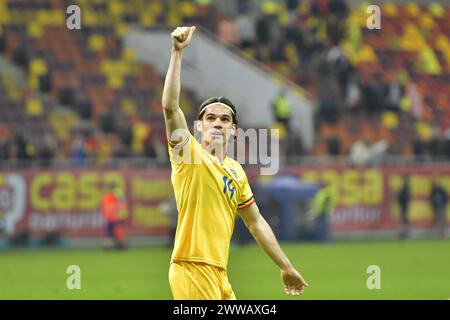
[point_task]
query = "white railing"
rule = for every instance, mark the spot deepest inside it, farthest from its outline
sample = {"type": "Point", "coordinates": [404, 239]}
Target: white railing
{"type": "Point", "coordinates": [286, 162]}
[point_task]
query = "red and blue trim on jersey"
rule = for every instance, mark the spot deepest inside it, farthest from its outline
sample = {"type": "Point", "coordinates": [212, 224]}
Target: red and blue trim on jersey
{"type": "Point", "coordinates": [246, 203]}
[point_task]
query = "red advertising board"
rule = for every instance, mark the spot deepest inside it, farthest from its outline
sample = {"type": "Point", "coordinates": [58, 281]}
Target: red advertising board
{"type": "Point", "coordinates": [41, 201]}
{"type": "Point", "coordinates": [69, 201]}
{"type": "Point", "coordinates": [366, 198]}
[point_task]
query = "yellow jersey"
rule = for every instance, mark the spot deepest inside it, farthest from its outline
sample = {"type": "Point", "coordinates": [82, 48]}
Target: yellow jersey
{"type": "Point", "coordinates": [208, 194]}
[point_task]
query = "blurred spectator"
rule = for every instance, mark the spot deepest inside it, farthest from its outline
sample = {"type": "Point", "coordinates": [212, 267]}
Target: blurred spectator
{"type": "Point", "coordinates": [149, 145]}
{"type": "Point", "coordinates": [169, 208]}
{"type": "Point", "coordinates": [47, 150]}
{"type": "Point", "coordinates": [340, 64]}
{"type": "Point", "coordinates": [418, 149]}
{"type": "Point", "coordinates": [416, 100]}
{"type": "Point", "coordinates": [360, 153]}
{"type": "Point", "coordinates": [66, 96]}
{"type": "Point", "coordinates": [324, 202]}
{"type": "Point", "coordinates": [447, 142]}
{"type": "Point", "coordinates": [329, 100]}
{"type": "Point", "coordinates": [107, 123]}
{"type": "Point", "coordinates": [404, 197]}
{"type": "Point", "coordinates": [334, 146]}
{"type": "Point", "coordinates": [5, 148]}
{"type": "Point", "coordinates": [112, 202]}
{"type": "Point", "coordinates": [79, 155]}
{"type": "Point", "coordinates": [245, 28]}
{"type": "Point", "coordinates": [226, 32]}
{"type": "Point", "coordinates": [353, 93]}
{"type": "Point", "coordinates": [363, 153]}
{"type": "Point", "coordinates": [373, 93]}
{"type": "Point", "coordinates": [25, 148]}
{"type": "Point", "coordinates": [393, 92]}
{"type": "Point", "coordinates": [338, 8]}
{"type": "Point", "coordinates": [439, 201]}
{"type": "Point", "coordinates": [84, 109]}
{"type": "Point", "coordinates": [263, 30]}
{"type": "Point", "coordinates": [282, 109]}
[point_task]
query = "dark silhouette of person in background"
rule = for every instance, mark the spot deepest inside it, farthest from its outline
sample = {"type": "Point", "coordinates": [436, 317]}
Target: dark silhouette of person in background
{"type": "Point", "coordinates": [439, 201]}
{"type": "Point", "coordinates": [404, 198]}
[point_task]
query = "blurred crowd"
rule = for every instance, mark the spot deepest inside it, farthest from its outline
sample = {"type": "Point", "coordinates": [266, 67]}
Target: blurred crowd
{"type": "Point", "coordinates": [87, 98]}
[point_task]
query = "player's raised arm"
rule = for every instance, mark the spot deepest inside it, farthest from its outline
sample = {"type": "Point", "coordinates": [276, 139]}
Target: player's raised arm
{"type": "Point", "coordinates": [173, 116]}
{"type": "Point", "coordinates": [294, 284]}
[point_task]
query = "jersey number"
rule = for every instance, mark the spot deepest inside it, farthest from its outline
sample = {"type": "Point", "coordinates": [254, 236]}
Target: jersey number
{"type": "Point", "coordinates": [227, 186]}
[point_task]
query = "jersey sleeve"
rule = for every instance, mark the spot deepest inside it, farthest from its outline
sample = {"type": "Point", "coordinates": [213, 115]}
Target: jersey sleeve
{"type": "Point", "coordinates": [246, 197]}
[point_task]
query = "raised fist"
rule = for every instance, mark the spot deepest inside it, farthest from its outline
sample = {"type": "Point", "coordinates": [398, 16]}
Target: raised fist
{"type": "Point", "coordinates": [181, 37]}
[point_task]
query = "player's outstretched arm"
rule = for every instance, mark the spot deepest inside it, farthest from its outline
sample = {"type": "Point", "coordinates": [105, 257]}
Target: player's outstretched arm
{"type": "Point", "coordinates": [294, 284]}
{"type": "Point", "coordinates": [176, 126]}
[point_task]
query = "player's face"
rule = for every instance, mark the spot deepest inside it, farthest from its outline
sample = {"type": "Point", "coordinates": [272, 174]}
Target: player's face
{"type": "Point", "coordinates": [217, 125]}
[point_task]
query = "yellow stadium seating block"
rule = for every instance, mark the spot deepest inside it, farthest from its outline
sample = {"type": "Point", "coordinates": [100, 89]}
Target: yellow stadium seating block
{"type": "Point", "coordinates": [428, 62]}
{"type": "Point", "coordinates": [427, 21]}
{"type": "Point", "coordinates": [270, 7]}
{"type": "Point", "coordinates": [389, 120]}
{"type": "Point", "coordinates": [14, 94]}
{"type": "Point", "coordinates": [88, 18]}
{"type": "Point", "coordinates": [304, 8]}
{"type": "Point", "coordinates": [173, 19]}
{"type": "Point", "coordinates": [424, 131]}
{"type": "Point", "coordinates": [359, 18]}
{"type": "Point", "coordinates": [108, 67]}
{"type": "Point", "coordinates": [57, 18]}
{"type": "Point", "coordinates": [128, 107]}
{"type": "Point", "coordinates": [31, 149]}
{"type": "Point", "coordinates": [390, 9]}
{"type": "Point", "coordinates": [442, 42]}
{"type": "Point", "coordinates": [405, 103]}
{"type": "Point", "coordinates": [115, 81]}
{"type": "Point", "coordinates": [203, 2]}
{"type": "Point", "coordinates": [96, 42]}
{"type": "Point", "coordinates": [413, 9]}
{"type": "Point", "coordinates": [155, 7]}
{"type": "Point", "coordinates": [436, 9]}
{"type": "Point", "coordinates": [38, 67]}
{"type": "Point", "coordinates": [140, 131]}
{"type": "Point", "coordinates": [187, 9]}
{"type": "Point", "coordinates": [146, 19]}
{"type": "Point", "coordinates": [34, 107]}
{"type": "Point", "coordinates": [128, 55]}
{"type": "Point", "coordinates": [367, 55]}
{"type": "Point", "coordinates": [116, 8]}
{"type": "Point", "coordinates": [33, 81]}
{"type": "Point", "coordinates": [42, 17]}
{"type": "Point", "coordinates": [35, 30]}
{"type": "Point", "coordinates": [4, 17]}
{"type": "Point", "coordinates": [121, 29]}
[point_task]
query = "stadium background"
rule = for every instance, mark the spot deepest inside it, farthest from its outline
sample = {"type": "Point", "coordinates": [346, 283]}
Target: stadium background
{"type": "Point", "coordinates": [82, 108]}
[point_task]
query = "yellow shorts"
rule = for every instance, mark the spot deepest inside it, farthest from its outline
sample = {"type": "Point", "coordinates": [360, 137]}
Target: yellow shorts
{"type": "Point", "coordinates": [199, 281]}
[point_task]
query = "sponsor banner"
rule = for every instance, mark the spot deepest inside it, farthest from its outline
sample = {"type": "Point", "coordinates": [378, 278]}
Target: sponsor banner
{"type": "Point", "coordinates": [367, 199]}
{"type": "Point", "coordinates": [42, 201]}
{"type": "Point", "coordinates": [69, 200]}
